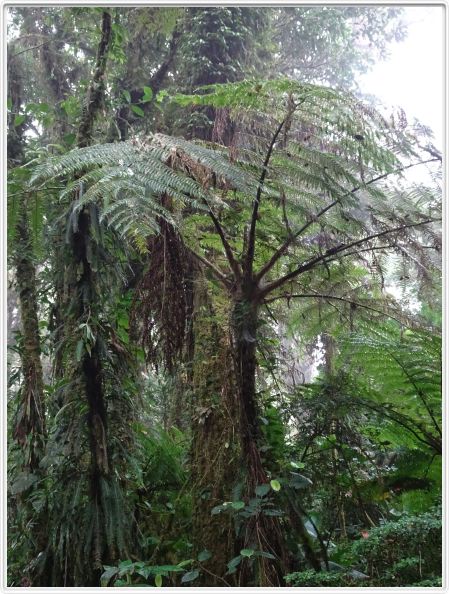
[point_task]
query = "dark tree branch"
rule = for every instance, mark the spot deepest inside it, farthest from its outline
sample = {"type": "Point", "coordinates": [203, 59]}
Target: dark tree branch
{"type": "Point", "coordinates": [28, 49]}
{"type": "Point", "coordinates": [287, 243]}
{"type": "Point", "coordinates": [217, 273]}
{"type": "Point", "coordinates": [331, 297]}
{"type": "Point", "coordinates": [158, 77]}
{"type": "Point", "coordinates": [252, 231]}
{"type": "Point", "coordinates": [155, 83]}
{"type": "Point", "coordinates": [235, 267]}
{"type": "Point", "coordinates": [333, 251]}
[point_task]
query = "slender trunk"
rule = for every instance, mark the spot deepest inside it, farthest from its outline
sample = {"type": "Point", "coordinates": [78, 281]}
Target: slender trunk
{"type": "Point", "coordinates": [30, 426]}
{"type": "Point", "coordinates": [81, 305]}
{"type": "Point", "coordinates": [244, 329]}
{"type": "Point", "coordinates": [262, 532]}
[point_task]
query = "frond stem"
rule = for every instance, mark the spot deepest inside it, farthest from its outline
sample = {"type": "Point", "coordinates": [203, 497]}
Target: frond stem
{"type": "Point", "coordinates": [235, 267]}
{"type": "Point", "coordinates": [287, 243]}
{"type": "Point", "coordinates": [332, 297]}
{"type": "Point", "coordinates": [218, 274]}
{"type": "Point", "coordinates": [333, 251]}
{"type": "Point", "coordinates": [252, 231]}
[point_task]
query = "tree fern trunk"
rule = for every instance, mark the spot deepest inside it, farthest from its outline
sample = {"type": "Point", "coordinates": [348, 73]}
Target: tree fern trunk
{"type": "Point", "coordinates": [262, 532]}
{"type": "Point", "coordinates": [215, 441]}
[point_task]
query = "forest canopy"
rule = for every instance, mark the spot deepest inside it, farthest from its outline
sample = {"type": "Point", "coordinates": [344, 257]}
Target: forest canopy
{"type": "Point", "coordinates": [224, 340]}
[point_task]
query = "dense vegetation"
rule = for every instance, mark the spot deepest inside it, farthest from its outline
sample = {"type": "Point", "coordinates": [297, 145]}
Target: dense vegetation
{"type": "Point", "coordinates": [225, 347]}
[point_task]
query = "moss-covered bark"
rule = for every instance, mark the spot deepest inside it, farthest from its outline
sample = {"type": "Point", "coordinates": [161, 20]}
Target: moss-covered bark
{"type": "Point", "coordinates": [216, 460]}
{"type": "Point", "coordinates": [29, 429]}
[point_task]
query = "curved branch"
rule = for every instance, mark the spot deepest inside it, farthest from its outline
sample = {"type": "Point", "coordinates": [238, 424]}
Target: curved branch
{"type": "Point", "coordinates": [235, 267]}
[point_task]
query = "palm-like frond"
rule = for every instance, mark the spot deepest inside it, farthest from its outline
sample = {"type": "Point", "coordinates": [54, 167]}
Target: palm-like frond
{"type": "Point", "coordinates": [404, 373]}
{"type": "Point", "coordinates": [330, 168]}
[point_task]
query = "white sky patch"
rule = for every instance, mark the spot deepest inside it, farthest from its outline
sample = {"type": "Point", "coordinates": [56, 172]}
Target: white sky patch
{"type": "Point", "coordinates": [413, 76]}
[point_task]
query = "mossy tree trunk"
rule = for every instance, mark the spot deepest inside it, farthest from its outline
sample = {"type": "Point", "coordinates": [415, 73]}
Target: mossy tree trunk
{"type": "Point", "coordinates": [262, 532]}
{"type": "Point", "coordinates": [30, 426]}
{"type": "Point", "coordinates": [215, 442]}
{"type": "Point", "coordinates": [82, 364]}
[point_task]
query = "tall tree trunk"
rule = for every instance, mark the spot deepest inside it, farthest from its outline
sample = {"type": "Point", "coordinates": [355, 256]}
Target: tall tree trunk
{"type": "Point", "coordinates": [262, 532]}
{"type": "Point", "coordinates": [215, 443]}
{"type": "Point", "coordinates": [30, 426]}
{"type": "Point", "coordinates": [85, 375]}
{"type": "Point", "coordinates": [29, 431]}
{"type": "Point", "coordinates": [85, 292]}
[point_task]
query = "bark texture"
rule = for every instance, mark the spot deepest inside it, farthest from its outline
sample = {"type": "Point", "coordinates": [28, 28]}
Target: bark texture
{"type": "Point", "coordinates": [30, 429]}
{"type": "Point", "coordinates": [216, 442]}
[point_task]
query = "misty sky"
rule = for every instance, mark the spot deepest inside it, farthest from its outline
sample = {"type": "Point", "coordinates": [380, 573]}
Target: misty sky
{"type": "Point", "coordinates": [413, 76]}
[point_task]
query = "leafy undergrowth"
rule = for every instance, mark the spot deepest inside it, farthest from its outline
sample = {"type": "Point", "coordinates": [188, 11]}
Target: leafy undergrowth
{"type": "Point", "coordinates": [406, 552]}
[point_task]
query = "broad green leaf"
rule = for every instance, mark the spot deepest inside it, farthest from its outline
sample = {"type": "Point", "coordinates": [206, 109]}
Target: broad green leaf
{"type": "Point", "coordinates": [204, 555]}
{"type": "Point", "coordinates": [233, 563]}
{"type": "Point", "coordinates": [148, 94]}
{"type": "Point", "coordinates": [310, 528]}
{"type": "Point", "coordinates": [109, 571]}
{"type": "Point", "coordinates": [297, 465]}
{"type": "Point", "coordinates": [190, 576]}
{"type": "Point", "coordinates": [23, 482]}
{"type": "Point", "coordinates": [238, 505]}
{"type": "Point", "coordinates": [275, 485]}
{"type": "Point", "coordinates": [137, 110]}
{"type": "Point", "coordinates": [19, 119]}
{"type": "Point", "coordinates": [127, 96]}
{"type": "Point", "coordinates": [247, 552]}
{"type": "Point", "coordinates": [158, 580]}
{"type": "Point", "coordinates": [262, 490]}
{"type": "Point", "coordinates": [184, 563]}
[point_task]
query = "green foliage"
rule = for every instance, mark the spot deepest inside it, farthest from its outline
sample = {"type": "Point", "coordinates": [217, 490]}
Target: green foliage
{"type": "Point", "coordinates": [127, 573]}
{"type": "Point", "coordinates": [331, 579]}
{"type": "Point", "coordinates": [406, 552]}
{"type": "Point", "coordinates": [337, 455]}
